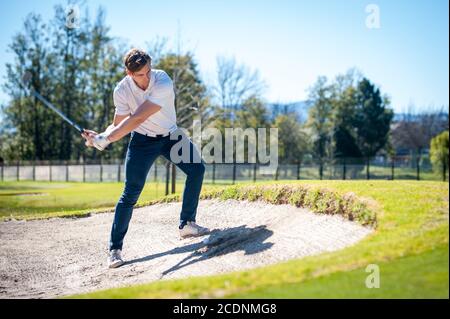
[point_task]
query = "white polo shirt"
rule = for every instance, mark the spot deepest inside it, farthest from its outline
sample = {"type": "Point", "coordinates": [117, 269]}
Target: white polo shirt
{"type": "Point", "coordinates": [128, 97]}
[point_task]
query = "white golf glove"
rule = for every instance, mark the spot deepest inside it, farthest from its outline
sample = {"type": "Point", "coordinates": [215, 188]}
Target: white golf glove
{"type": "Point", "coordinates": [101, 141]}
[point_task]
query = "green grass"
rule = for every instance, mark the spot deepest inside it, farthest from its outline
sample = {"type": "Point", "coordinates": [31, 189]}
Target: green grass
{"type": "Point", "coordinates": [27, 200]}
{"type": "Point", "coordinates": [416, 276]}
{"type": "Point", "coordinates": [52, 199]}
{"type": "Point", "coordinates": [410, 243]}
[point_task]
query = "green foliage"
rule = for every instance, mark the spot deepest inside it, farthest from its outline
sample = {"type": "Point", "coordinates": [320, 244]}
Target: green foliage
{"type": "Point", "coordinates": [372, 119]}
{"type": "Point", "coordinates": [344, 132]}
{"type": "Point", "coordinates": [348, 118]}
{"type": "Point", "coordinates": [320, 119]}
{"type": "Point", "coordinates": [74, 68]}
{"type": "Point", "coordinates": [293, 142]}
{"type": "Point", "coordinates": [439, 152]}
{"type": "Point", "coordinates": [319, 200]}
{"type": "Point", "coordinates": [253, 114]}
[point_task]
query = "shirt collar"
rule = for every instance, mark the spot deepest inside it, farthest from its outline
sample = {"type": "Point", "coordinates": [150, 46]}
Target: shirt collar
{"type": "Point", "coordinates": [137, 89]}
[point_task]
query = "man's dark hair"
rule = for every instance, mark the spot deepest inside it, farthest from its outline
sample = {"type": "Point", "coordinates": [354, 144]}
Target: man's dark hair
{"type": "Point", "coordinates": [136, 59]}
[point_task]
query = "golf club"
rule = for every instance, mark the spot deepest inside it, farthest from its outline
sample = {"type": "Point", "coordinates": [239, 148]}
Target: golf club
{"type": "Point", "coordinates": [25, 85]}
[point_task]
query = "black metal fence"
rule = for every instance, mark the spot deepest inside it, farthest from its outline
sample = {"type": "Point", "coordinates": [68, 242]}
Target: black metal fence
{"type": "Point", "coordinates": [405, 167]}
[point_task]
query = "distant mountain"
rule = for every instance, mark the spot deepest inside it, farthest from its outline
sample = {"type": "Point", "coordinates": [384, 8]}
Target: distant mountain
{"type": "Point", "coordinates": [301, 109]}
{"type": "Point", "coordinates": [443, 116]}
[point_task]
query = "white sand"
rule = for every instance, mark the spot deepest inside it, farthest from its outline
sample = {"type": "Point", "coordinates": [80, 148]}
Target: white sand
{"type": "Point", "coordinates": [57, 257]}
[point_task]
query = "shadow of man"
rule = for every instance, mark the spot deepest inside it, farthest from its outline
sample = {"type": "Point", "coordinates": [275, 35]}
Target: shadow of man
{"type": "Point", "coordinates": [220, 242]}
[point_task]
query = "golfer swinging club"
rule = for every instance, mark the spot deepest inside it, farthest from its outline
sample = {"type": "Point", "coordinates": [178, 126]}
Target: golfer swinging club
{"type": "Point", "coordinates": [144, 105]}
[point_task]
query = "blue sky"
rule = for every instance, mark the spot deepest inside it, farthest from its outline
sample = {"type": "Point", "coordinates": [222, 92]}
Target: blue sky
{"type": "Point", "coordinates": [291, 43]}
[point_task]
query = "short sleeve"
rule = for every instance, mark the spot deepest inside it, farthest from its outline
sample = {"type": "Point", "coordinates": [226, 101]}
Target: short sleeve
{"type": "Point", "coordinates": [120, 103]}
{"type": "Point", "coordinates": [163, 90]}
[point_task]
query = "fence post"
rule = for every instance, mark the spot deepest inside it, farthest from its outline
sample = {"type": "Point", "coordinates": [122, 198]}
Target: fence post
{"type": "Point", "coordinates": [1, 168]}
{"type": "Point", "coordinates": [167, 177]}
{"type": "Point", "coordinates": [344, 170]}
{"type": "Point", "coordinates": [392, 168]}
{"type": "Point", "coordinates": [118, 172]}
{"type": "Point", "coordinates": [50, 171]}
{"type": "Point", "coordinates": [234, 172]}
{"type": "Point", "coordinates": [84, 171]}
{"type": "Point", "coordinates": [298, 170]}
{"type": "Point", "coordinates": [101, 170]}
{"type": "Point", "coordinates": [418, 168]}
{"type": "Point", "coordinates": [67, 171]}
{"type": "Point", "coordinates": [34, 170]}
{"type": "Point", "coordinates": [444, 171]}
{"type": "Point", "coordinates": [174, 178]}
{"type": "Point", "coordinates": [17, 171]}
{"type": "Point", "coordinates": [368, 168]}
{"type": "Point", "coordinates": [214, 173]}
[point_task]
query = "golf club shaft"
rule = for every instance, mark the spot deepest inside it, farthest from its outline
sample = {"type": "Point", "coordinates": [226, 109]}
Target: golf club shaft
{"type": "Point", "coordinates": [43, 100]}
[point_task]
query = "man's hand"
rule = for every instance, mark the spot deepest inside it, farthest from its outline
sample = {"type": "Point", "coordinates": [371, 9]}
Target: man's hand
{"type": "Point", "coordinates": [93, 139]}
{"type": "Point", "coordinates": [89, 135]}
{"type": "Point", "coordinates": [101, 141]}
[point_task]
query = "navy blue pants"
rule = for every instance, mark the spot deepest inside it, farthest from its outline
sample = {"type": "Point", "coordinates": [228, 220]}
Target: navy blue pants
{"type": "Point", "coordinates": [142, 152]}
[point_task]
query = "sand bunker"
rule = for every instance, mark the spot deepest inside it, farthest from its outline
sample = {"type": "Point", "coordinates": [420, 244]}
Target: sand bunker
{"type": "Point", "coordinates": [57, 257]}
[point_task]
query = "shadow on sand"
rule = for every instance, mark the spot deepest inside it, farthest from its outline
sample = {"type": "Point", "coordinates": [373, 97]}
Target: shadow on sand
{"type": "Point", "coordinates": [219, 243]}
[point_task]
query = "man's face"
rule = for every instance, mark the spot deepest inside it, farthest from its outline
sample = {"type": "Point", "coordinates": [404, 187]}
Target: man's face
{"type": "Point", "coordinates": [141, 77]}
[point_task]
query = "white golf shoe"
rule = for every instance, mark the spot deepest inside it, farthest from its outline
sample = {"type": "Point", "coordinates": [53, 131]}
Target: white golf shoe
{"type": "Point", "coordinates": [191, 229]}
{"type": "Point", "coordinates": [115, 258]}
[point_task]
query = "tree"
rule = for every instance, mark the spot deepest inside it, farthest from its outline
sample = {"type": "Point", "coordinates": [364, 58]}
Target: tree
{"type": "Point", "coordinates": [344, 133]}
{"type": "Point", "coordinates": [24, 114]}
{"type": "Point", "coordinates": [372, 120]}
{"type": "Point", "coordinates": [414, 130]}
{"type": "Point", "coordinates": [344, 91]}
{"type": "Point", "coordinates": [253, 114]}
{"type": "Point", "coordinates": [76, 69]}
{"type": "Point", "coordinates": [293, 141]}
{"type": "Point", "coordinates": [103, 69]}
{"type": "Point", "coordinates": [69, 45]}
{"type": "Point", "coordinates": [439, 153]}
{"type": "Point", "coordinates": [319, 122]}
{"type": "Point", "coordinates": [235, 84]}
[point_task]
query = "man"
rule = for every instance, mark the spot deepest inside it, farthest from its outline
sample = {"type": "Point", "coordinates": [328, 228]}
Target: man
{"type": "Point", "coordinates": [144, 105]}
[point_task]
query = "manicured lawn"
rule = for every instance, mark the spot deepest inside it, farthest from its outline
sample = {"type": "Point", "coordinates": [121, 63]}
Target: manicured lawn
{"type": "Point", "coordinates": [410, 246]}
{"type": "Point", "coordinates": [418, 276]}
{"type": "Point", "coordinates": [28, 200]}
{"type": "Point", "coordinates": [34, 200]}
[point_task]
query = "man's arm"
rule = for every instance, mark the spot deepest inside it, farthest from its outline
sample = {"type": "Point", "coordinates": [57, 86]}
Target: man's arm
{"type": "Point", "coordinates": [124, 124]}
{"type": "Point", "coordinates": [117, 120]}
